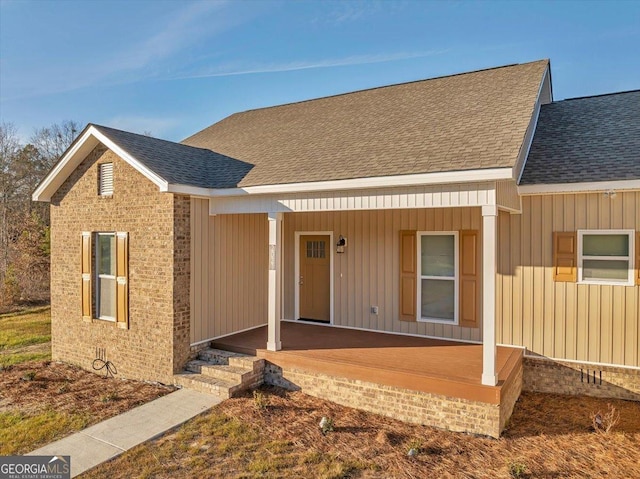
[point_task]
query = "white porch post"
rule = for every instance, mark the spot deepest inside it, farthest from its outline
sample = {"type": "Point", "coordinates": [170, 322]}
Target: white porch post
{"type": "Point", "coordinates": [489, 270]}
{"type": "Point", "coordinates": [275, 281]}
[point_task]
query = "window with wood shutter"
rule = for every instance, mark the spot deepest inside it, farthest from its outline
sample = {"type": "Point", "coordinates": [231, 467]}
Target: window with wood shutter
{"type": "Point", "coordinates": [408, 276]}
{"type": "Point", "coordinates": [565, 257]}
{"type": "Point", "coordinates": [105, 179]}
{"type": "Point", "coordinates": [469, 279]}
{"type": "Point", "coordinates": [87, 291]}
{"type": "Point", "coordinates": [105, 277]}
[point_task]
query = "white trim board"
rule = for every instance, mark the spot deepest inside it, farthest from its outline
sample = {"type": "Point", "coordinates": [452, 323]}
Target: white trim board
{"type": "Point", "coordinates": [228, 334]}
{"type": "Point", "coordinates": [296, 275]}
{"type": "Point", "coordinates": [588, 187]}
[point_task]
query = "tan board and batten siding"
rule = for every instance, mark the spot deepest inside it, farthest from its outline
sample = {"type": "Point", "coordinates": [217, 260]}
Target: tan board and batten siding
{"type": "Point", "coordinates": [229, 272]}
{"type": "Point", "coordinates": [565, 320]}
{"type": "Point", "coordinates": [367, 274]}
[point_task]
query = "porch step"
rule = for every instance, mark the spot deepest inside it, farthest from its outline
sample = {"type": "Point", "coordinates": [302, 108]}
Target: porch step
{"type": "Point", "coordinates": [222, 372]}
{"type": "Point", "coordinates": [219, 371]}
{"type": "Point", "coordinates": [206, 384]}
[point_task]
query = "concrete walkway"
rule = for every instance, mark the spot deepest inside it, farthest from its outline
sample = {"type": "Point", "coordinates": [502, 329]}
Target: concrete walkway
{"type": "Point", "coordinates": [112, 437]}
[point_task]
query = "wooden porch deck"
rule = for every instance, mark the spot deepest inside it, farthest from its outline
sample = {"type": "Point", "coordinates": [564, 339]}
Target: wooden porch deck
{"type": "Point", "coordinates": [440, 367]}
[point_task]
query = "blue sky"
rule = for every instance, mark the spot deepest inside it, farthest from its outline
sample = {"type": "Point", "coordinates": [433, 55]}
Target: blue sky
{"type": "Point", "coordinates": [174, 67]}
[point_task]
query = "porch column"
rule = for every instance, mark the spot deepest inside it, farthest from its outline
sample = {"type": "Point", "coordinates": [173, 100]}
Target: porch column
{"type": "Point", "coordinates": [489, 270]}
{"type": "Point", "coordinates": [275, 281]}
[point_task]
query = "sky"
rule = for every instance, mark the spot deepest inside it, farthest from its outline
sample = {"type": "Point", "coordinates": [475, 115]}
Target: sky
{"type": "Point", "coordinates": [173, 67]}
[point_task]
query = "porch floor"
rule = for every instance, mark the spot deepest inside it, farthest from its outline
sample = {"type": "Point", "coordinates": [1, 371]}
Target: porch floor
{"type": "Point", "coordinates": [447, 368]}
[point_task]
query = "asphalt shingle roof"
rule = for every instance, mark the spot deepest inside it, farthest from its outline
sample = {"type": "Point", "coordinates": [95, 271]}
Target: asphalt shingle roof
{"type": "Point", "coordinates": [178, 163]}
{"type": "Point", "coordinates": [462, 122]}
{"type": "Point", "coordinates": [586, 140]}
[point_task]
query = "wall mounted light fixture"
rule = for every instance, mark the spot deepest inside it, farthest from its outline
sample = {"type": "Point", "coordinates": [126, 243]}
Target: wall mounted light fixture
{"type": "Point", "coordinates": [341, 244]}
{"type": "Point", "coordinates": [610, 194]}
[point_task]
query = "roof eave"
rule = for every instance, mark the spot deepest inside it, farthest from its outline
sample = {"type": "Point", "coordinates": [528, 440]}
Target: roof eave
{"type": "Point", "coordinates": [77, 152]}
{"type": "Point", "coordinates": [584, 187]}
{"type": "Point", "coordinates": [444, 177]}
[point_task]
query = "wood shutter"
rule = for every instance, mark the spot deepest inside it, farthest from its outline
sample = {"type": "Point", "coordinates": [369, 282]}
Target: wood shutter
{"type": "Point", "coordinates": [638, 258]}
{"type": "Point", "coordinates": [565, 257]}
{"type": "Point", "coordinates": [408, 275]}
{"type": "Point", "coordinates": [122, 280]}
{"type": "Point", "coordinates": [87, 292]}
{"type": "Point", "coordinates": [469, 301]}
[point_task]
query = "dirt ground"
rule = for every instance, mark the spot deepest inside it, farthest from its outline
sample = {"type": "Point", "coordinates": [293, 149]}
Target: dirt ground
{"type": "Point", "coordinates": [44, 389]}
{"type": "Point", "coordinates": [277, 435]}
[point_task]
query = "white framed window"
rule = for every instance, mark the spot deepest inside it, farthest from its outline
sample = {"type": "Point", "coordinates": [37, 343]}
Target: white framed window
{"type": "Point", "coordinates": [105, 179]}
{"type": "Point", "coordinates": [438, 277]}
{"type": "Point", "coordinates": [606, 257]}
{"type": "Point", "coordinates": [105, 288]}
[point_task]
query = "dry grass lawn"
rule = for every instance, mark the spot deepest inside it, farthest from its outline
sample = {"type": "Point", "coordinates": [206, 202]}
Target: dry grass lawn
{"type": "Point", "coordinates": [277, 435]}
{"type": "Point", "coordinates": [41, 401]}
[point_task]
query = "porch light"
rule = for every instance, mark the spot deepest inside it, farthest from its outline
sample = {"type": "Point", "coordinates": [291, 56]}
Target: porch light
{"type": "Point", "coordinates": [341, 244]}
{"type": "Point", "coordinates": [611, 194]}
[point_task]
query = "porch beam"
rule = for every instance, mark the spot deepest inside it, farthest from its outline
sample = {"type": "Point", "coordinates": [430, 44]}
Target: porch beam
{"type": "Point", "coordinates": [275, 282]}
{"type": "Point", "coordinates": [489, 270]}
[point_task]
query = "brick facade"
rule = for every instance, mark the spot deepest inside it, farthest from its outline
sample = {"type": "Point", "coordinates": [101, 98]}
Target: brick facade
{"type": "Point", "coordinates": [449, 413]}
{"type": "Point", "coordinates": [562, 377]}
{"type": "Point", "coordinates": [157, 342]}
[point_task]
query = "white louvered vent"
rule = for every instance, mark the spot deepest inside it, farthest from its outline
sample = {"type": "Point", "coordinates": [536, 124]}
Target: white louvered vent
{"type": "Point", "coordinates": [105, 186]}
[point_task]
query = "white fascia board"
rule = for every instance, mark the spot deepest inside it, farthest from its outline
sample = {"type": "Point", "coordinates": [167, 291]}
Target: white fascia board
{"type": "Point", "coordinates": [595, 186]}
{"type": "Point", "coordinates": [73, 157]}
{"type": "Point", "coordinates": [469, 176]}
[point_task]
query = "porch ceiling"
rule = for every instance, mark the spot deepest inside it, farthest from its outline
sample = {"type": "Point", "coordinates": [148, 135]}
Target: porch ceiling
{"type": "Point", "coordinates": [429, 365]}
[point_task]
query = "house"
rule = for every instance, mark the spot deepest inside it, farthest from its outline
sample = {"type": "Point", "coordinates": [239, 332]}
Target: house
{"type": "Point", "coordinates": [423, 250]}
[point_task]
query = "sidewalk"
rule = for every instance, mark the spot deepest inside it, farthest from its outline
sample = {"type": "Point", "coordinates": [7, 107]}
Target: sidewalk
{"type": "Point", "coordinates": [112, 437]}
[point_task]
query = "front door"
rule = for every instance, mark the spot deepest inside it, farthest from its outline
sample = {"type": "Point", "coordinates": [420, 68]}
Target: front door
{"type": "Point", "coordinates": [315, 252]}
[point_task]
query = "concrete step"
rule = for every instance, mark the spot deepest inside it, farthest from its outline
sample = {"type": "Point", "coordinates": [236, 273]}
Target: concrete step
{"type": "Point", "coordinates": [206, 384]}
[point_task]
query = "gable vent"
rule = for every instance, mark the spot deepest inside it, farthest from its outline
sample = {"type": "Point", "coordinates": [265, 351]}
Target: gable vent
{"type": "Point", "coordinates": [105, 181]}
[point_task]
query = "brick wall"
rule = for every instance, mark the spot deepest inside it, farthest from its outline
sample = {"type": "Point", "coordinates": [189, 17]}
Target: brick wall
{"type": "Point", "coordinates": [447, 413]}
{"type": "Point", "coordinates": [157, 340]}
{"type": "Point", "coordinates": [545, 375]}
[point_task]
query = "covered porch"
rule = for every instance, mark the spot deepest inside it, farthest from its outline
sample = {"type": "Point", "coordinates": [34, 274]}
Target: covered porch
{"type": "Point", "coordinates": [443, 368]}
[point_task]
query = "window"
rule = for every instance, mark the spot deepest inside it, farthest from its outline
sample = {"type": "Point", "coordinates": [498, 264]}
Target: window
{"type": "Point", "coordinates": [438, 277]}
{"type": "Point", "coordinates": [105, 179]}
{"type": "Point", "coordinates": [105, 277]}
{"type": "Point", "coordinates": [105, 292]}
{"type": "Point", "coordinates": [605, 257]}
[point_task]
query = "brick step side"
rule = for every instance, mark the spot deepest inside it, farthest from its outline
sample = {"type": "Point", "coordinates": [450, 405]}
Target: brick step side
{"type": "Point", "coordinates": [219, 371]}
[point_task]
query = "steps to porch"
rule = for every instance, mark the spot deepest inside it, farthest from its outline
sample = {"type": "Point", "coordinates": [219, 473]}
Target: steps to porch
{"type": "Point", "coordinates": [223, 373]}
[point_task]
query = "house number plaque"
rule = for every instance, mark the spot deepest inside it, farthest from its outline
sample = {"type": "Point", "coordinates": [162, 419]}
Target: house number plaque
{"type": "Point", "coordinates": [272, 257]}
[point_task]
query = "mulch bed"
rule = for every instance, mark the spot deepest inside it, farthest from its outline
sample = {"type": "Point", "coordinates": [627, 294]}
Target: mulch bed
{"type": "Point", "coordinates": [37, 386]}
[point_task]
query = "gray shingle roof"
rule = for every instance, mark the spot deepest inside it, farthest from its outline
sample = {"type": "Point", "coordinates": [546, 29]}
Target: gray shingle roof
{"type": "Point", "coordinates": [180, 164]}
{"type": "Point", "coordinates": [461, 122]}
{"type": "Point", "coordinates": [586, 140]}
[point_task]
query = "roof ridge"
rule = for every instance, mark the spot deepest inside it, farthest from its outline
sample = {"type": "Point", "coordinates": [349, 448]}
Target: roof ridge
{"type": "Point", "coordinates": [391, 85]}
{"type": "Point", "coordinates": [597, 95]}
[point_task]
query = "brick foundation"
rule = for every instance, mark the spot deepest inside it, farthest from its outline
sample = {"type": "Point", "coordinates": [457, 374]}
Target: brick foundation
{"type": "Point", "coordinates": [452, 414]}
{"type": "Point", "coordinates": [558, 377]}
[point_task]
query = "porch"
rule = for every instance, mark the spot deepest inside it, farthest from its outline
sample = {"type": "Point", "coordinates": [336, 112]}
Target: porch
{"type": "Point", "coordinates": [437, 367]}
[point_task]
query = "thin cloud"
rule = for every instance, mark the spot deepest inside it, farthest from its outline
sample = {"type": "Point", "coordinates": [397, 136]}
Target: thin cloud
{"type": "Point", "coordinates": [294, 66]}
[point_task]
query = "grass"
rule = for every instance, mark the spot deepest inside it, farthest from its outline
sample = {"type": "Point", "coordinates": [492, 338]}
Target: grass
{"type": "Point", "coordinates": [20, 431]}
{"type": "Point", "coordinates": [549, 436]}
{"type": "Point", "coordinates": [42, 401]}
{"type": "Point", "coordinates": [25, 336]}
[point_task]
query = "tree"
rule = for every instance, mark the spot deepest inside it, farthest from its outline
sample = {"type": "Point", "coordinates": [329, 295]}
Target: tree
{"type": "Point", "coordinates": [24, 224]}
